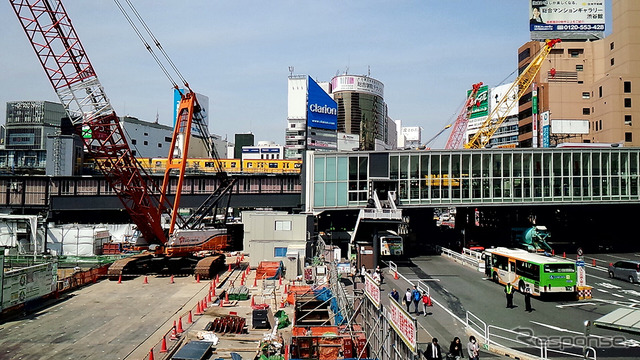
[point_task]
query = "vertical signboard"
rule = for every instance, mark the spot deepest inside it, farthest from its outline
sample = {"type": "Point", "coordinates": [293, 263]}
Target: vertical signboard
{"type": "Point", "coordinates": [580, 270]}
{"type": "Point", "coordinates": [372, 290]}
{"type": "Point", "coordinates": [546, 128]}
{"type": "Point", "coordinates": [566, 19]}
{"type": "Point", "coordinates": [481, 106]}
{"type": "Point", "coordinates": [322, 119]}
{"type": "Point", "coordinates": [534, 112]}
{"type": "Point", "coordinates": [403, 324]}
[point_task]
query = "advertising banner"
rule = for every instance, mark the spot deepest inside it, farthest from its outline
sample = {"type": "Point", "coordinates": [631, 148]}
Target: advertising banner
{"type": "Point", "coordinates": [403, 324]}
{"type": "Point", "coordinates": [372, 290]}
{"type": "Point", "coordinates": [481, 106]}
{"type": "Point", "coordinates": [322, 110]}
{"type": "Point", "coordinates": [546, 128]}
{"type": "Point", "coordinates": [357, 83]}
{"type": "Point", "coordinates": [566, 19]}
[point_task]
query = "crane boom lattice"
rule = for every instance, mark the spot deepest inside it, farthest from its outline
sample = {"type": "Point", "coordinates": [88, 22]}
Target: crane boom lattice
{"type": "Point", "coordinates": [74, 80]}
{"type": "Point", "coordinates": [460, 126]}
{"type": "Point", "coordinates": [500, 111]}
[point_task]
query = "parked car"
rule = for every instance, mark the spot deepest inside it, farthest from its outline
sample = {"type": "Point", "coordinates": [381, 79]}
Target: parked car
{"type": "Point", "coordinates": [625, 269]}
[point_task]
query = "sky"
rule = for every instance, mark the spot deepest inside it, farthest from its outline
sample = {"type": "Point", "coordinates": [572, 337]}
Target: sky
{"type": "Point", "coordinates": [427, 53]}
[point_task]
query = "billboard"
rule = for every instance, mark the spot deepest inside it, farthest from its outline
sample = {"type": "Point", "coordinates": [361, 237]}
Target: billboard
{"type": "Point", "coordinates": [566, 19]}
{"type": "Point", "coordinates": [357, 83]}
{"type": "Point", "coordinates": [412, 133]}
{"type": "Point", "coordinates": [511, 103]}
{"type": "Point", "coordinates": [481, 106]}
{"type": "Point", "coordinates": [322, 110]}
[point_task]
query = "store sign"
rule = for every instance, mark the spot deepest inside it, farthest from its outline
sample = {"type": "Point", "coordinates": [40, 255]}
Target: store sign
{"type": "Point", "coordinates": [322, 110]}
{"type": "Point", "coordinates": [481, 105]}
{"type": "Point", "coordinates": [403, 324]}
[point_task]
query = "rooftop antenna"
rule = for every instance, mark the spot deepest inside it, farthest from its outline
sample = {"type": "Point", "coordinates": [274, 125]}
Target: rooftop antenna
{"type": "Point", "coordinates": [290, 70]}
{"type": "Point", "coordinates": [368, 70]}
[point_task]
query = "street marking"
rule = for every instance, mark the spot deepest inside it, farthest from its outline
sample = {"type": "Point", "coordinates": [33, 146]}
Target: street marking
{"type": "Point", "coordinates": [567, 330]}
{"type": "Point", "coordinates": [630, 292]}
{"type": "Point", "coordinates": [604, 291]}
{"type": "Point", "coordinates": [617, 295]}
{"type": "Point", "coordinates": [418, 279]}
{"type": "Point", "coordinates": [578, 304]}
{"type": "Point", "coordinates": [609, 285]}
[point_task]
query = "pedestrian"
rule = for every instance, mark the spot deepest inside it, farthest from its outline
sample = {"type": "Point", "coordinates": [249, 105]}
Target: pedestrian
{"type": "Point", "coordinates": [376, 277]}
{"type": "Point", "coordinates": [379, 272]}
{"type": "Point", "coordinates": [425, 302]}
{"type": "Point", "coordinates": [433, 351]}
{"type": "Point", "coordinates": [527, 299]}
{"type": "Point", "coordinates": [363, 271]}
{"type": "Point", "coordinates": [455, 349]}
{"type": "Point", "coordinates": [415, 294]}
{"type": "Point", "coordinates": [394, 294]}
{"type": "Point", "coordinates": [508, 290]}
{"type": "Point", "coordinates": [407, 299]}
{"type": "Point", "coordinates": [473, 350]}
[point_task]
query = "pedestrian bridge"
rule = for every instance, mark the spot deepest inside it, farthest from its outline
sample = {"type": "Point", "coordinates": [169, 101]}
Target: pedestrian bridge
{"type": "Point", "coordinates": [473, 177]}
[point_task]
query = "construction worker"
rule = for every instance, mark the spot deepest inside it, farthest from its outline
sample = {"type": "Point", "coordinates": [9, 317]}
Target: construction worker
{"type": "Point", "coordinates": [508, 290]}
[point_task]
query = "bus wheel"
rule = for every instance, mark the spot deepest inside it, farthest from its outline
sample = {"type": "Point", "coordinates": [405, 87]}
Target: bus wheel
{"type": "Point", "coordinates": [495, 277]}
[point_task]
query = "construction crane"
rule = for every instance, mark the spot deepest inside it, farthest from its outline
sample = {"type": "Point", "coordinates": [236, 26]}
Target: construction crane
{"type": "Point", "coordinates": [426, 144]}
{"type": "Point", "coordinates": [499, 113]}
{"type": "Point", "coordinates": [62, 56]}
{"type": "Point", "coordinates": [460, 125]}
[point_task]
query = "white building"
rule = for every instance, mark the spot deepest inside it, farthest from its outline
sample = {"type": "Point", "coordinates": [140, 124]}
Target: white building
{"type": "Point", "coordinates": [264, 150]}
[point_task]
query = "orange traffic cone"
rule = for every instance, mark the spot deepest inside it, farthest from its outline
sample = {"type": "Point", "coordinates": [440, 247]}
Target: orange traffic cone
{"type": "Point", "coordinates": [242, 281]}
{"type": "Point", "coordinates": [248, 270]}
{"type": "Point", "coordinates": [174, 335]}
{"type": "Point", "coordinates": [146, 281]}
{"type": "Point", "coordinates": [286, 352]}
{"type": "Point", "coordinates": [253, 302]}
{"type": "Point", "coordinates": [594, 262]}
{"type": "Point", "coordinates": [151, 354]}
{"type": "Point", "coordinates": [198, 309]}
{"type": "Point", "coordinates": [242, 257]}
{"type": "Point", "coordinates": [285, 288]}
{"type": "Point", "coordinates": [255, 281]}
{"type": "Point", "coordinates": [163, 347]}
{"type": "Point", "coordinates": [213, 291]}
{"type": "Point", "coordinates": [120, 279]}
{"type": "Point", "coordinates": [395, 275]}
{"type": "Point", "coordinates": [553, 252]}
{"type": "Point", "coordinates": [564, 255]}
{"type": "Point", "coordinates": [179, 330]}
{"type": "Point", "coordinates": [226, 296]}
{"type": "Point", "coordinates": [190, 318]}
{"type": "Point", "coordinates": [198, 278]}
{"type": "Point", "coordinates": [209, 297]}
{"type": "Point", "coordinates": [171, 282]}
{"type": "Point", "coordinates": [229, 267]}
{"type": "Point", "coordinates": [217, 279]}
{"type": "Point", "coordinates": [221, 302]}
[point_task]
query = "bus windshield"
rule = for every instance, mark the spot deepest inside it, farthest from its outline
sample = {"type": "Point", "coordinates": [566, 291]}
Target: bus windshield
{"type": "Point", "coordinates": [559, 268]}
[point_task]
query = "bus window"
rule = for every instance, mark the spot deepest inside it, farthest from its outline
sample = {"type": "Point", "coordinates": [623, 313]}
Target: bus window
{"type": "Point", "coordinates": [500, 262]}
{"type": "Point", "coordinates": [528, 270]}
{"type": "Point", "coordinates": [559, 268]}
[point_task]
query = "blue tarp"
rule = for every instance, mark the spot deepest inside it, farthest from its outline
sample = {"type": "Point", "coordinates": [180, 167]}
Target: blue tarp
{"type": "Point", "coordinates": [324, 294]}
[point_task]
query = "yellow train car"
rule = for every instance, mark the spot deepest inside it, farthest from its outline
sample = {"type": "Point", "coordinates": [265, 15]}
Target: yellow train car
{"type": "Point", "coordinates": [231, 166]}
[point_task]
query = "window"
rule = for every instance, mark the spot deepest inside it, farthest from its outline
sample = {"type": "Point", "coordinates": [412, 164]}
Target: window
{"type": "Point", "coordinates": [600, 91]}
{"type": "Point", "coordinates": [627, 102]}
{"type": "Point", "coordinates": [159, 145]}
{"type": "Point", "coordinates": [279, 251]}
{"type": "Point", "coordinates": [628, 137]}
{"type": "Point", "coordinates": [600, 121]}
{"type": "Point", "coordinates": [586, 111]}
{"type": "Point", "coordinates": [586, 95]}
{"type": "Point", "coordinates": [167, 139]}
{"type": "Point", "coordinates": [524, 54]}
{"type": "Point", "coordinates": [611, 46]}
{"type": "Point", "coordinates": [133, 141]}
{"type": "Point", "coordinates": [613, 61]}
{"type": "Point", "coordinates": [579, 67]}
{"type": "Point", "coordinates": [576, 52]}
{"type": "Point", "coordinates": [146, 134]}
{"type": "Point", "coordinates": [283, 225]}
{"type": "Point", "coordinates": [627, 119]}
{"type": "Point", "coordinates": [627, 87]}
{"type": "Point", "coordinates": [596, 125]}
{"type": "Point", "coordinates": [146, 143]}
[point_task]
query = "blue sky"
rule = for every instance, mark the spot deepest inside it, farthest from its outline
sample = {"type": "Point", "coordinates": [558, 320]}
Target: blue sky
{"type": "Point", "coordinates": [426, 52]}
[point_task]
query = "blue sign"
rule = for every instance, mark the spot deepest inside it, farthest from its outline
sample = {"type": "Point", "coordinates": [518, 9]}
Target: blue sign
{"type": "Point", "coordinates": [322, 110]}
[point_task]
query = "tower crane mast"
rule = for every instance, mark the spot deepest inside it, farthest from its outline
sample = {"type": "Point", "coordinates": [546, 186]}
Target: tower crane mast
{"type": "Point", "coordinates": [481, 138]}
{"type": "Point", "coordinates": [64, 60]}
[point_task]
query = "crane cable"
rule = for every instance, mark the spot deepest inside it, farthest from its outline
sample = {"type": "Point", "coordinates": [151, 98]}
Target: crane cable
{"type": "Point", "coordinates": [155, 41]}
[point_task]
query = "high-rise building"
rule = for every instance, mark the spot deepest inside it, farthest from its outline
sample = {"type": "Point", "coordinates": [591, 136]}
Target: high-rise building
{"type": "Point", "coordinates": [585, 87]}
{"type": "Point", "coordinates": [30, 122]}
{"type": "Point", "coordinates": [362, 110]}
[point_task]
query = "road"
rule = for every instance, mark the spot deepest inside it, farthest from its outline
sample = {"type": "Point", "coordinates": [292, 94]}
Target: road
{"type": "Point", "coordinates": [462, 289]}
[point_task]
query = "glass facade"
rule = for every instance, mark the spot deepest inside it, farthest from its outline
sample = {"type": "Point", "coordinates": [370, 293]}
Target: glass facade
{"type": "Point", "coordinates": [476, 177]}
{"type": "Point", "coordinates": [362, 114]}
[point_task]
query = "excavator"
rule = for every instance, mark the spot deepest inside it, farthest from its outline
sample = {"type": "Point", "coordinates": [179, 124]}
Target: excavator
{"type": "Point", "coordinates": [193, 244]}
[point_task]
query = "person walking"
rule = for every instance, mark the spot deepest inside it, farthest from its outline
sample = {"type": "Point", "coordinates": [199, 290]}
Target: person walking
{"type": "Point", "coordinates": [415, 294]}
{"type": "Point", "coordinates": [527, 300]}
{"type": "Point", "coordinates": [363, 272]}
{"type": "Point", "coordinates": [508, 290]}
{"type": "Point", "coordinates": [433, 351]}
{"type": "Point", "coordinates": [473, 350]}
{"type": "Point", "coordinates": [425, 302]}
{"type": "Point", "coordinates": [394, 294]}
{"type": "Point", "coordinates": [407, 299]}
{"type": "Point", "coordinates": [455, 349]}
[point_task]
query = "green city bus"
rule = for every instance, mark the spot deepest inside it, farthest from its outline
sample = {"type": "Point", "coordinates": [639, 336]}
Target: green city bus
{"type": "Point", "coordinates": [522, 269]}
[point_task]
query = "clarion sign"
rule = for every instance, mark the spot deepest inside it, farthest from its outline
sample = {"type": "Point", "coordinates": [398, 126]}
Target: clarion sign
{"type": "Point", "coordinates": [323, 109]}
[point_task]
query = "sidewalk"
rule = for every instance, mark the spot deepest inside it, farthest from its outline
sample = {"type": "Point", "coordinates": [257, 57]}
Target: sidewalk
{"type": "Point", "coordinates": [438, 323]}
